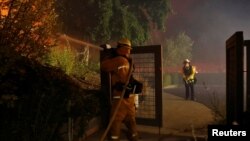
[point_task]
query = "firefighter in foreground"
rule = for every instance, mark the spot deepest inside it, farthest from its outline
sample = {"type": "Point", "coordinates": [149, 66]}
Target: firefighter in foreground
{"type": "Point", "coordinates": [119, 67]}
{"type": "Point", "coordinates": [189, 78]}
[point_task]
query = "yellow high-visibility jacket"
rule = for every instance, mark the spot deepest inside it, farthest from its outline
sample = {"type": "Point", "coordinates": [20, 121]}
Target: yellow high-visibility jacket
{"type": "Point", "coordinates": [189, 75]}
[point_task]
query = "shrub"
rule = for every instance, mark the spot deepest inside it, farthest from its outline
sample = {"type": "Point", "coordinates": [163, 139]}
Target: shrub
{"type": "Point", "coordinates": [34, 103]}
{"type": "Point", "coordinates": [66, 58]}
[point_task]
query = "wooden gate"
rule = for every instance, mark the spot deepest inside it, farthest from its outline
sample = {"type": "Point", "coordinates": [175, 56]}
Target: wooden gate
{"type": "Point", "coordinates": [237, 78]}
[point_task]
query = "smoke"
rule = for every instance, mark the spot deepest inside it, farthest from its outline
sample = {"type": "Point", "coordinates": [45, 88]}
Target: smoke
{"type": "Point", "coordinates": [209, 23]}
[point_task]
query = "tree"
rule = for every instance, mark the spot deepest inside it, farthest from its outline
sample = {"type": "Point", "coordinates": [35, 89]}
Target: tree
{"type": "Point", "coordinates": [27, 26]}
{"type": "Point", "coordinates": [34, 98]}
{"type": "Point", "coordinates": [177, 49]}
{"type": "Point", "coordinates": [104, 20]}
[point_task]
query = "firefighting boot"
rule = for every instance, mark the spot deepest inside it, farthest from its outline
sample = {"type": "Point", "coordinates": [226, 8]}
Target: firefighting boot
{"type": "Point", "coordinates": [133, 137]}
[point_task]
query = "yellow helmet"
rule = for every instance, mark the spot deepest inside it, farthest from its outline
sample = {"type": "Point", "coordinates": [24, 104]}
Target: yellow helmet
{"type": "Point", "coordinates": [124, 42]}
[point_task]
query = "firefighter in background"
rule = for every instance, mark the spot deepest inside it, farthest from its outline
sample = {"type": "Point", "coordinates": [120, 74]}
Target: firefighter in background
{"type": "Point", "coordinates": [119, 67]}
{"type": "Point", "coordinates": [189, 78]}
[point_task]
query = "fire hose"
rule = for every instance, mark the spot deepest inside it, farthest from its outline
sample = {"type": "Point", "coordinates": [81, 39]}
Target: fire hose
{"type": "Point", "coordinates": [119, 103]}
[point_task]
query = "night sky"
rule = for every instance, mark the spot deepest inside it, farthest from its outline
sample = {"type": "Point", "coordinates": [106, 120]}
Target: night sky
{"type": "Point", "coordinates": [209, 23]}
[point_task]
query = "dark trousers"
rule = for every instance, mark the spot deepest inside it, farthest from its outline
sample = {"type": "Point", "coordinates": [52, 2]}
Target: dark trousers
{"type": "Point", "coordinates": [189, 88]}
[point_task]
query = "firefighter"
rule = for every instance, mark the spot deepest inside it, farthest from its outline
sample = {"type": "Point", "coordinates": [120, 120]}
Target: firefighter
{"type": "Point", "coordinates": [119, 67]}
{"type": "Point", "coordinates": [189, 78]}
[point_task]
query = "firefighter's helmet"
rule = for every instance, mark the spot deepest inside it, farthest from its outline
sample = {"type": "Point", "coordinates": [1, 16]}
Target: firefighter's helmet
{"type": "Point", "coordinates": [124, 42]}
{"type": "Point", "coordinates": [186, 61]}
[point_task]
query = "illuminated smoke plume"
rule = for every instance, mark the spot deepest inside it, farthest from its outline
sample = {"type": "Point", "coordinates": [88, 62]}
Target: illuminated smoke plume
{"type": "Point", "coordinates": [209, 23]}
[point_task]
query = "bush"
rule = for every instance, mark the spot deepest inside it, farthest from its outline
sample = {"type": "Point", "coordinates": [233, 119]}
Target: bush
{"type": "Point", "coordinates": [66, 58]}
{"type": "Point", "coordinates": [63, 58]}
{"type": "Point", "coordinates": [34, 103]}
